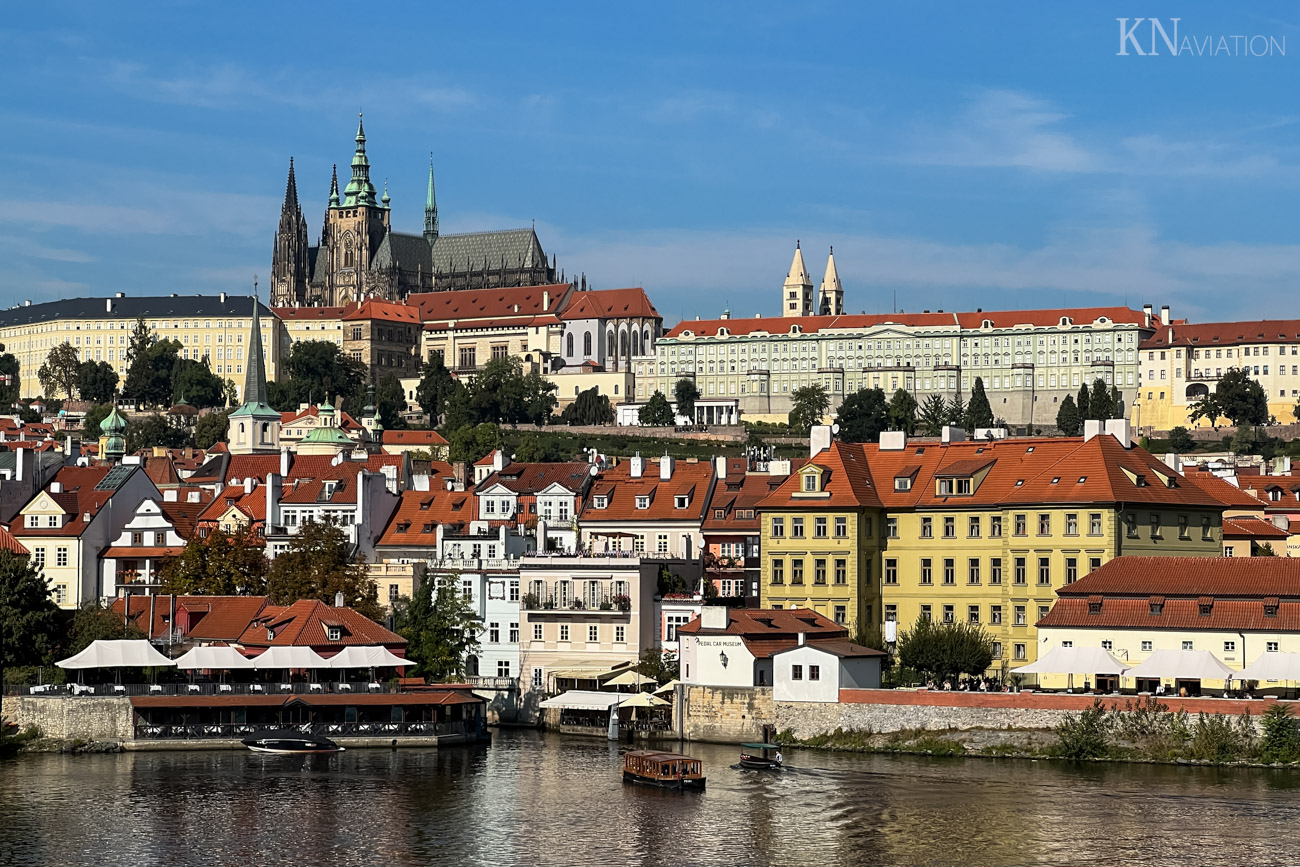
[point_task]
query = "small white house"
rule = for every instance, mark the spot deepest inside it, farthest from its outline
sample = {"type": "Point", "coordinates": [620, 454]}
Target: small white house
{"type": "Point", "coordinates": [818, 671]}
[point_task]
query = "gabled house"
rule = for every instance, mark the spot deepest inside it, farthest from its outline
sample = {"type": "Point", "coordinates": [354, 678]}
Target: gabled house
{"type": "Point", "coordinates": [311, 623]}
{"type": "Point", "coordinates": [653, 508]}
{"type": "Point", "coordinates": [156, 532]}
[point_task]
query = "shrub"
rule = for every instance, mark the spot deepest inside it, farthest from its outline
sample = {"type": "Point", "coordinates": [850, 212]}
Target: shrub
{"type": "Point", "coordinates": [1084, 736]}
{"type": "Point", "coordinates": [1218, 738]}
{"type": "Point", "coordinates": [1280, 741]}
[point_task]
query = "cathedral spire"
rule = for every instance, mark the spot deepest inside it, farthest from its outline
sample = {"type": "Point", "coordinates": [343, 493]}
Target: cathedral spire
{"type": "Point", "coordinates": [360, 191]}
{"type": "Point", "coordinates": [334, 187]}
{"type": "Point", "coordinates": [796, 293]}
{"type": "Point", "coordinates": [830, 298]}
{"type": "Point", "coordinates": [430, 209]}
{"type": "Point", "coordinates": [291, 191]}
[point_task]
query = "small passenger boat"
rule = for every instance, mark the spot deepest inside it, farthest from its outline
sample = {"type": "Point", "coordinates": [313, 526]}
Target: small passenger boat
{"type": "Point", "coordinates": [761, 757]}
{"type": "Point", "coordinates": [290, 742]}
{"type": "Point", "coordinates": [665, 770]}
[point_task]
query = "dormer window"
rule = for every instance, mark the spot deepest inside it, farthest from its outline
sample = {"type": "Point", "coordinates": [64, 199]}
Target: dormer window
{"type": "Point", "coordinates": [33, 521]}
{"type": "Point", "coordinates": [954, 487]}
{"type": "Point", "coordinates": [1270, 608]}
{"type": "Point", "coordinates": [643, 502]}
{"type": "Point", "coordinates": [53, 521]}
{"type": "Point", "coordinates": [810, 483]}
{"type": "Point", "coordinates": [270, 634]}
{"type": "Point", "coordinates": [603, 502]}
{"type": "Point", "coordinates": [719, 513]}
{"type": "Point", "coordinates": [1156, 608]}
{"type": "Point", "coordinates": [334, 633]}
{"type": "Point", "coordinates": [1205, 606]}
{"type": "Point", "coordinates": [681, 501]}
{"type": "Point", "coordinates": [903, 483]}
{"type": "Point", "coordinates": [1094, 606]}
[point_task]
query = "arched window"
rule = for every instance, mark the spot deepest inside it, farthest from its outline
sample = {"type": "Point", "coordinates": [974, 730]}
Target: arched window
{"type": "Point", "coordinates": [646, 345]}
{"type": "Point", "coordinates": [622, 345]}
{"type": "Point", "coordinates": [266, 432]}
{"type": "Point", "coordinates": [586, 345]}
{"type": "Point", "coordinates": [636, 343]}
{"type": "Point", "coordinates": [241, 428]}
{"type": "Point", "coordinates": [569, 346]}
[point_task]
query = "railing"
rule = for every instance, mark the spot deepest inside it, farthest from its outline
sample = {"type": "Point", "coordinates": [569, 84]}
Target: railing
{"type": "Point", "coordinates": [147, 731]}
{"type": "Point", "coordinates": [510, 564]}
{"type": "Point", "coordinates": [493, 682]}
{"type": "Point", "coordinates": [603, 604]}
{"type": "Point", "coordinates": [127, 690]}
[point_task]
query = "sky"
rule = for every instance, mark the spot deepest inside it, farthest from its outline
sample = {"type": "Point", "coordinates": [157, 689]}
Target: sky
{"type": "Point", "coordinates": [956, 155]}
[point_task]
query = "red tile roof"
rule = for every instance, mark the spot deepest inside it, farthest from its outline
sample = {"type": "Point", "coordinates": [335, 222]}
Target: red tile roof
{"type": "Point", "coordinates": [417, 516]}
{"type": "Point", "coordinates": [312, 491]}
{"type": "Point", "coordinates": [253, 504]}
{"type": "Point", "coordinates": [1223, 491]}
{"type": "Point", "coordinates": [531, 478]}
{"type": "Point", "coordinates": [1225, 333]}
{"type": "Point", "coordinates": [740, 491]}
{"type": "Point", "coordinates": [9, 543]}
{"type": "Point", "coordinates": [1182, 614]}
{"type": "Point", "coordinates": [199, 618]}
{"type": "Point", "coordinates": [78, 499]}
{"type": "Point", "coordinates": [184, 515]}
{"type": "Point", "coordinates": [344, 421]}
{"type": "Point", "coordinates": [814, 324]}
{"type": "Point", "coordinates": [131, 551]}
{"type": "Point", "coordinates": [771, 624]}
{"type": "Point", "coordinates": [1191, 576]}
{"type": "Point", "coordinates": [620, 491]}
{"type": "Point", "coordinates": [610, 304]}
{"type": "Point", "coordinates": [304, 623]}
{"type": "Point", "coordinates": [482, 307]}
{"type": "Point", "coordinates": [1252, 528]}
{"type": "Point", "coordinates": [385, 310]}
{"type": "Point", "coordinates": [252, 466]}
{"type": "Point", "coordinates": [413, 437]}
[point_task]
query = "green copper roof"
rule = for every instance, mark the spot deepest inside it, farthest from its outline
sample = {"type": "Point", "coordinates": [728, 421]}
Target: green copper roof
{"type": "Point", "coordinates": [430, 209]}
{"type": "Point", "coordinates": [113, 423]}
{"type": "Point", "coordinates": [327, 434]}
{"type": "Point", "coordinates": [334, 187]}
{"type": "Point", "coordinates": [360, 191]}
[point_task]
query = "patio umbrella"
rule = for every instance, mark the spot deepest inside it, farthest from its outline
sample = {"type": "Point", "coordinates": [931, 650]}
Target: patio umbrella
{"type": "Point", "coordinates": [213, 658]}
{"type": "Point", "coordinates": [642, 699]}
{"type": "Point", "coordinates": [666, 688]}
{"type": "Point", "coordinates": [106, 653]}
{"type": "Point", "coordinates": [629, 678]}
{"type": "Point", "coordinates": [289, 658]}
{"type": "Point", "coordinates": [1074, 660]}
{"type": "Point", "coordinates": [367, 656]}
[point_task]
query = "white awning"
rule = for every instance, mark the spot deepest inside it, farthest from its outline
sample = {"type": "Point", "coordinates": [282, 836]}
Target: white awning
{"type": "Point", "coordinates": [1183, 665]}
{"type": "Point", "coordinates": [370, 656]}
{"type": "Point", "coordinates": [116, 654]}
{"type": "Point", "coordinates": [584, 699]}
{"type": "Point", "coordinates": [1272, 666]}
{"type": "Point", "coordinates": [227, 658]}
{"type": "Point", "coordinates": [290, 657]}
{"type": "Point", "coordinates": [1074, 660]}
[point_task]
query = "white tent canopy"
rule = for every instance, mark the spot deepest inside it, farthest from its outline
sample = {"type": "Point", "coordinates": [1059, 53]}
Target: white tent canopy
{"type": "Point", "coordinates": [1272, 666]}
{"type": "Point", "coordinates": [369, 656]}
{"type": "Point", "coordinates": [1074, 660]}
{"type": "Point", "coordinates": [1183, 665]}
{"type": "Point", "coordinates": [583, 699]}
{"type": "Point", "coordinates": [290, 657]}
{"type": "Point", "coordinates": [116, 654]}
{"type": "Point", "coordinates": [227, 658]}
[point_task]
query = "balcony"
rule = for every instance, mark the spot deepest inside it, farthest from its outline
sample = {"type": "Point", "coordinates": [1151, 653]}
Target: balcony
{"type": "Point", "coordinates": [606, 604]}
{"type": "Point", "coordinates": [478, 564]}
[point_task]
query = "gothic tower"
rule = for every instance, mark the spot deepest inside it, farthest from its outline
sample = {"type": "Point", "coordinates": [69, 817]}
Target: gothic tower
{"type": "Point", "coordinates": [354, 227]}
{"type": "Point", "coordinates": [289, 260]}
{"type": "Point", "coordinates": [430, 210]}
{"type": "Point", "coordinates": [797, 293]}
{"type": "Point", "coordinates": [255, 426]}
{"type": "Point", "coordinates": [830, 298]}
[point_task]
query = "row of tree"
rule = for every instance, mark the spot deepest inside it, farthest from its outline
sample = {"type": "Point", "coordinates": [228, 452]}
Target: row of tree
{"type": "Point", "coordinates": [866, 413]}
{"type": "Point", "coordinates": [1101, 403]}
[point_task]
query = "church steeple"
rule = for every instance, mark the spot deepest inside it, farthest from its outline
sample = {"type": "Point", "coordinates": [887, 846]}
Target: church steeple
{"type": "Point", "coordinates": [796, 293]}
{"type": "Point", "coordinates": [290, 254]}
{"type": "Point", "coordinates": [430, 209]}
{"type": "Point", "coordinates": [334, 187]}
{"type": "Point", "coordinates": [255, 426]}
{"type": "Point", "coordinates": [830, 298]}
{"type": "Point", "coordinates": [360, 191]}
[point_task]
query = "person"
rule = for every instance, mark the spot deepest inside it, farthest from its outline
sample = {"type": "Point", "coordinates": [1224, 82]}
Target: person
{"type": "Point", "coordinates": [984, 685]}
{"type": "Point", "coordinates": [1087, 685]}
{"type": "Point", "coordinates": [947, 686]}
{"type": "Point", "coordinates": [1182, 692]}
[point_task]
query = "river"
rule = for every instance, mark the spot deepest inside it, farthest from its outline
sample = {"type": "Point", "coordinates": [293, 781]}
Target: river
{"type": "Point", "coordinates": [543, 799]}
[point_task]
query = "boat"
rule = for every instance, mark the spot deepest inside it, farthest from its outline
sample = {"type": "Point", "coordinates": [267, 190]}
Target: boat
{"type": "Point", "coordinates": [664, 770]}
{"type": "Point", "coordinates": [761, 757]}
{"type": "Point", "coordinates": [290, 742]}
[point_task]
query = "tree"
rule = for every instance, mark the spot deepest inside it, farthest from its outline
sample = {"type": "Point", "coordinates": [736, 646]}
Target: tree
{"type": "Point", "coordinates": [139, 374]}
{"type": "Point", "coordinates": [210, 429]}
{"type": "Point", "coordinates": [1099, 402]}
{"type": "Point", "coordinates": [811, 404]}
{"type": "Point", "coordinates": [1082, 402]}
{"type": "Point", "coordinates": [90, 424]}
{"type": "Point", "coordinates": [1279, 736]}
{"type": "Point", "coordinates": [194, 383]}
{"type": "Point", "coordinates": [978, 412]}
{"type": "Point", "coordinates": [1264, 550]}
{"type": "Point", "coordinates": [93, 622]}
{"type": "Point", "coordinates": [1240, 399]}
{"type": "Point", "coordinates": [1180, 440]}
{"type": "Point", "coordinates": [945, 649]}
{"type": "Point", "coordinates": [30, 622]}
{"type": "Point", "coordinates": [932, 416]}
{"type": "Point", "coordinates": [1243, 441]}
{"type": "Point", "coordinates": [457, 411]}
{"type": "Point", "coordinates": [902, 411]}
{"type": "Point", "coordinates": [863, 415]}
{"type": "Point", "coordinates": [149, 377]}
{"type": "Point", "coordinates": [1206, 407]}
{"type": "Point", "coordinates": [469, 444]}
{"type": "Point", "coordinates": [660, 665]}
{"type": "Point", "coordinates": [685, 393]}
{"type": "Point", "coordinates": [152, 430]}
{"type": "Point", "coordinates": [656, 412]}
{"type": "Point", "coordinates": [96, 381]}
{"type": "Point", "coordinates": [539, 398]}
{"type": "Point", "coordinates": [59, 372]}
{"type": "Point", "coordinates": [219, 565]}
{"type": "Point", "coordinates": [319, 371]}
{"type": "Point", "coordinates": [231, 392]}
{"type": "Point", "coordinates": [590, 407]}
{"type": "Point", "coordinates": [441, 629]}
{"type": "Point", "coordinates": [280, 396]}
{"type": "Point", "coordinates": [436, 386]}
{"type": "Point", "coordinates": [390, 401]}
{"type": "Point", "coordinates": [319, 564]}
{"type": "Point", "coordinates": [1067, 418]}
{"type": "Point", "coordinates": [11, 391]}
{"type": "Point", "coordinates": [956, 411]}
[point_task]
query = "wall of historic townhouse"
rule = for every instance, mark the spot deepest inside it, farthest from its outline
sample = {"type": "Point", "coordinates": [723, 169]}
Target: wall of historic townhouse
{"type": "Point", "coordinates": [1026, 370]}
{"type": "Point", "coordinates": [569, 383]}
{"type": "Point", "coordinates": [854, 601]}
{"type": "Point", "coordinates": [470, 348]}
{"type": "Point", "coordinates": [1173, 378]}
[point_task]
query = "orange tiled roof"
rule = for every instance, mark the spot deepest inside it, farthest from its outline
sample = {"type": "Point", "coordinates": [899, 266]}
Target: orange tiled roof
{"type": "Point", "coordinates": [771, 624]}
{"type": "Point", "coordinates": [530, 478]}
{"type": "Point", "coordinates": [610, 304]}
{"type": "Point", "coordinates": [417, 516]}
{"type": "Point", "coordinates": [518, 304]}
{"type": "Point", "coordinates": [1252, 528]}
{"type": "Point", "coordinates": [200, 618]}
{"type": "Point", "coordinates": [620, 491]}
{"type": "Point", "coordinates": [1224, 491]}
{"type": "Point", "coordinates": [253, 504]}
{"type": "Point", "coordinates": [1225, 334]}
{"type": "Point", "coordinates": [413, 437]}
{"type": "Point", "coordinates": [343, 420]}
{"type": "Point", "coordinates": [304, 624]}
{"type": "Point", "coordinates": [740, 491]}
{"type": "Point", "coordinates": [9, 543]}
{"type": "Point", "coordinates": [313, 313]}
{"type": "Point", "coordinates": [385, 310]}
{"type": "Point", "coordinates": [78, 499]}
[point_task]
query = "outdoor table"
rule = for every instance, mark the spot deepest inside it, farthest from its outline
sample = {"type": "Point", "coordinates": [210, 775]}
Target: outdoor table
{"type": "Point", "coordinates": [224, 687]}
{"type": "Point", "coordinates": [374, 687]}
{"type": "Point", "coordinates": [194, 687]}
{"type": "Point", "coordinates": [117, 687]}
{"type": "Point", "coordinates": [286, 687]}
{"type": "Point", "coordinates": [153, 687]}
{"type": "Point", "coordinates": [345, 687]}
{"type": "Point", "coordinates": [315, 687]}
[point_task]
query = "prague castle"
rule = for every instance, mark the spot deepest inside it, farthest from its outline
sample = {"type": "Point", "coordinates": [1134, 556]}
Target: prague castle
{"type": "Point", "coordinates": [360, 255]}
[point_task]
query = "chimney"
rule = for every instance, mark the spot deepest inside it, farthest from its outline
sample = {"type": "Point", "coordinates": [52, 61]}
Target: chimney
{"type": "Point", "coordinates": [778, 467]}
{"type": "Point", "coordinates": [953, 434]}
{"type": "Point", "coordinates": [1146, 314]}
{"type": "Point", "coordinates": [819, 439]}
{"type": "Point", "coordinates": [170, 495]}
{"type": "Point", "coordinates": [893, 440]}
{"type": "Point", "coordinates": [459, 472]}
{"type": "Point", "coordinates": [499, 460]}
{"type": "Point", "coordinates": [27, 302]}
{"type": "Point", "coordinates": [714, 617]}
{"type": "Point", "coordinates": [1164, 314]}
{"type": "Point", "coordinates": [108, 305]}
{"type": "Point", "coordinates": [802, 637]}
{"type": "Point", "coordinates": [338, 599]}
{"type": "Point", "coordinates": [274, 487]}
{"type": "Point", "coordinates": [637, 468]}
{"type": "Point", "coordinates": [726, 314]}
{"type": "Point", "coordinates": [18, 465]}
{"type": "Point", "coordinates": [1091, 428]}
{"type": "Point", "coordinates": [194, 497]}
{"type": "Point", "coordinates": [284, 461]}
{"type": "Point", "coordinates": [546, 299]}
{"type": "Point", "coordinates": [665, 468]}
{"type": "Point", "coordinates": [56, 487]}
{"type": "Point", "coordinates": [70, 446]}
{"type": "Point", "coordinates": [720, 467]}
{"type": "Point", "coordinates": [248, 485]}
{"type": "Point", "coordinates": [223, 297]}
{"type": "Point", "coordinates": [1119, 428]}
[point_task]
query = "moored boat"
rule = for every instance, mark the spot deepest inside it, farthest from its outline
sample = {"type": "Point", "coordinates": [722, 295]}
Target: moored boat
{"type": "Point", "coordinates": [761, 757]}
{"type": "Point", "coordinates": [664, 770]}
{"type": "Point", "coordinates": [290, 742]}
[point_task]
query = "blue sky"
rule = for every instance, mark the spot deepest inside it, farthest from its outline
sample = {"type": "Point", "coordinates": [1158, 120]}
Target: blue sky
{"type": "Point", "coordinates": [957, 155]}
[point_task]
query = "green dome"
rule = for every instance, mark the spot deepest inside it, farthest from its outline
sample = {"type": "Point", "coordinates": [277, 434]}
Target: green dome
{"type": "Point", "coordinates": [113, 423]}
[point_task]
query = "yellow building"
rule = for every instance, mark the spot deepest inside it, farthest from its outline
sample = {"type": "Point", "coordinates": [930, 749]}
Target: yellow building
{"type": "Point", "coordinates": [470, 328]}
{"type": "Point", "coordinates": [1180, 364]}
{"type": "Point", "coordinates": [207, 326]}
{"type": "Point", "coordinates": [979, 532]}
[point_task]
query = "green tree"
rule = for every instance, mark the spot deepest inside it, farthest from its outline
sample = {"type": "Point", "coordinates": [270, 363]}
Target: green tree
{"type": "Point", "coordinates": [219, 565]}
{"type": "Point", "coordinates": [318, 564]}
{"type": "Point", "coordinates": [1099, 403]}
{"type": "Point", "coordinates": [956, 411]}
{"type": "Point", "coordinates": [10, 390]}
{"type": "Point", "coordinates": [152, 430]}
{"type": "Point", "coordinates": [390, 400]}
{"type": "Point", "coordinates": [30, 623]}
{"type": "Point", "coordinates": [1084, 736]}
{"type": "Point", "coordinates": [280, 396]}
{"type": "Point", "coordinates": [1082, 402]}
{"type": "Point", "coordinates": [94, 622]}
{"type": "Point", "coordinates": [436, 386]}
{"type": "Point", "coordinates": [658, 664]}
{"type": "Point", "coordinates": [231, 392]}
{"type": "Point", "coordinates": [539, 398]}
{"type": "Point", "coordinates": [194, 383]}
{"type": "Point", "coordinates": [1180, 439]}
{"type": "Point", "coordinates": [90, 424]}
{"type": "Point", "coordinates": [932, 416]}
{"type": "Point", "coordinates": [96, 381]}
{"type": "Point", "coordinates": [472, 443]}
{"type": "Point", "coordinates": [945, 649]}
{"type": "Point", "coordinates": [902, 411]}
{"type": "Point", "coordinates": [656, 412]}
{"type": "Point", "coordinates": [441, 629]}
{"type": "Point", "coordinates": [458, 412]}
{"type": "Point", "coordinates": [210, 429]}
{"type": "Point", "coordinates": [139, 372]}
{"type": "Point", "coordinates": [685, 393]}
{"type": "Point", "coordinates": [1240, 399]}
{"type": "Point", "coordinates": [1244, 440]}
{"type": "Point", "coordinates": [1067, 418]}
{"type": "Point", "coordinates": [319, 371]}
{"type": "Point", "coordinates": [863, 415]}
{"type": "Point", "coordinates": [1264, 550]}
{"type": "Point", "coordinates": [978, 412]}
{"type": "Point", "coordinates": [1279, 738]}
{"type": "Point", "coordinates": [811, 403]}
{"type": "Point", "coordinates": [589, 407]}
{"type": "Point", "coordinates": [59, 372]}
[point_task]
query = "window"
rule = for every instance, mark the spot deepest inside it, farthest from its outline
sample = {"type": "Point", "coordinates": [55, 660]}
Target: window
{"type": "Point", "coordinates": [1206, 533]}
{"type": "Point", "coordinates": [1228, 550]}
{"type": "Point", "coordinates": [1021, 522]}
{"type": "Point", "coordinates": [1107, 645]}
{"type": "Point", "coordinates": [503, 668]}
{"type": "Point", "coordinates": [537, 678]}
{"type": "Point", "coordinates": [1071, 524]}
{"type": "Point", "coordinates": [593, 632]}
{"type": "Point", "coordinates": [995, 570]}
{"type": "Point", "coordinates": [819, 528]}
{"type": "Point", "coordinates": [997, 650]}
{"type": "Point", "coordinates": [1131, 525]}
{"type": "Point", "coordinates": [995, 615]}
{"type": "Point", "coordinates": [1146, 647]}
{"type": "Point", "coordinates": [38, 559]}
{"type": "Point", "coordinates": [973, 530]}
{"type": "Point", "coordinates": [810, 482]}
{"type": "Point", "coordinates": [841, 528]}
{"type": "Point", "coordinates": [841, 571]}
{"type": "Point", "coordinates": [995, 526]}
{"type": "Point", "coordinates": [514, 592]}
{"type": "Point", "coordinates": [537, 632]}
{"type": "Point", "coordinates": [137, 539]}
{"type": "Point", "coordinates": [796, 570]}
{"type": "Point", "coordinates": [972, 614]}
{"type": "Point", "coordinates": [1229, 647]}
{"type": "Point", "coordinates": [841, 614]}
{"type": "Point", "coordinates": [494, 633]}
{"type": "Point", "coordinates": [620, 634]}
{"type": "Point", "coordinates": [973, 571]}
{"type": "Point", "coordinates": [925, 612]}
{"type": "Point", "coordinates": [1094, 563]}
{"type": "Point", "coordinates": [947, 614]}
{"type": "Point", "coordinates": [891, 528]}
{"type": "Point", "coordinates": [819, 570]}
{"type": "Point", "coordinates": [1020, 652]}
{"type": "Point", "coordinates": [1270, 647]}
{"type": "Point", "coordinates": [334, 633]}
{"type": "Point", "coordinates": [467, 356]}
{"type": "Point", "coordinates": [514, 633]}
{"type": "Point", "coordinates": [1182, 528]}
{"type": "Point", "coordinates": [949, 571]}
{"type": "Point", "coordinates": [564, 632]}
{"type": "Point", "coordinates": [891, 613]}
{"type": "Point", "coordinates": [796, 672]}
{"type": "Point", "coordinates": [778, 571]}
{"type": "Point", "coordinates": [52, 521]}
{"type": "Point", "coordinates": [1094, 524]}
{"type": "Point", "coordinates": [1044, 570]}
{"type": "Point", "coordinates": [1155, 526]}
{"type": "Point", "coordinates": [1044, 525]}
{"type": "Point", "coordinates": [814, 672]}
{"type": "Point", "coordinates": [1188, 645]}
{"type": "Point", "coordinates": [1021, 568]}
{"type": "Point", "coordinates": [1020, 615]}
{"type": "Point", "coordinates": [61, 557]}
{"type": "Point", "coordinates": [927, 572]}
{"type": "Point", "coordinates": [778, 528]}
{"type": "Point", "coordinates": [60, 594]}
{"type": "Point", "coordinates": [902, 483]}
{"type": "Point", "coordinates": [643, 501]}
{"type": "Point", "coordinates": [927, 528]}
{"type": "Point", "coordinates": [1071, 569]}
{"type": "Point", "coordinates": [1042, 611]}
{"type": "Point", "coordinates": [891, 569]}
{"type": "Point", "coordinates": [796, 528]}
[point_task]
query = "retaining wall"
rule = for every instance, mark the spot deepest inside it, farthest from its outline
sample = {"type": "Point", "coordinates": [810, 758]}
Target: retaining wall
{"type": "Point", "coordinates": [725, 714]}
{"type": "Point", "coordinates": [90, 719]}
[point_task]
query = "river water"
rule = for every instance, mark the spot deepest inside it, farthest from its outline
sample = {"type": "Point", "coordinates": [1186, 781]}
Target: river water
{"type": "Point", "coordinates": [542, 799]}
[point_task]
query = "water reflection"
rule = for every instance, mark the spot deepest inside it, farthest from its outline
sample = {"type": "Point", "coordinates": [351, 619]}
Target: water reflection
{"type": "Point", "coordinates": [542, 799]}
